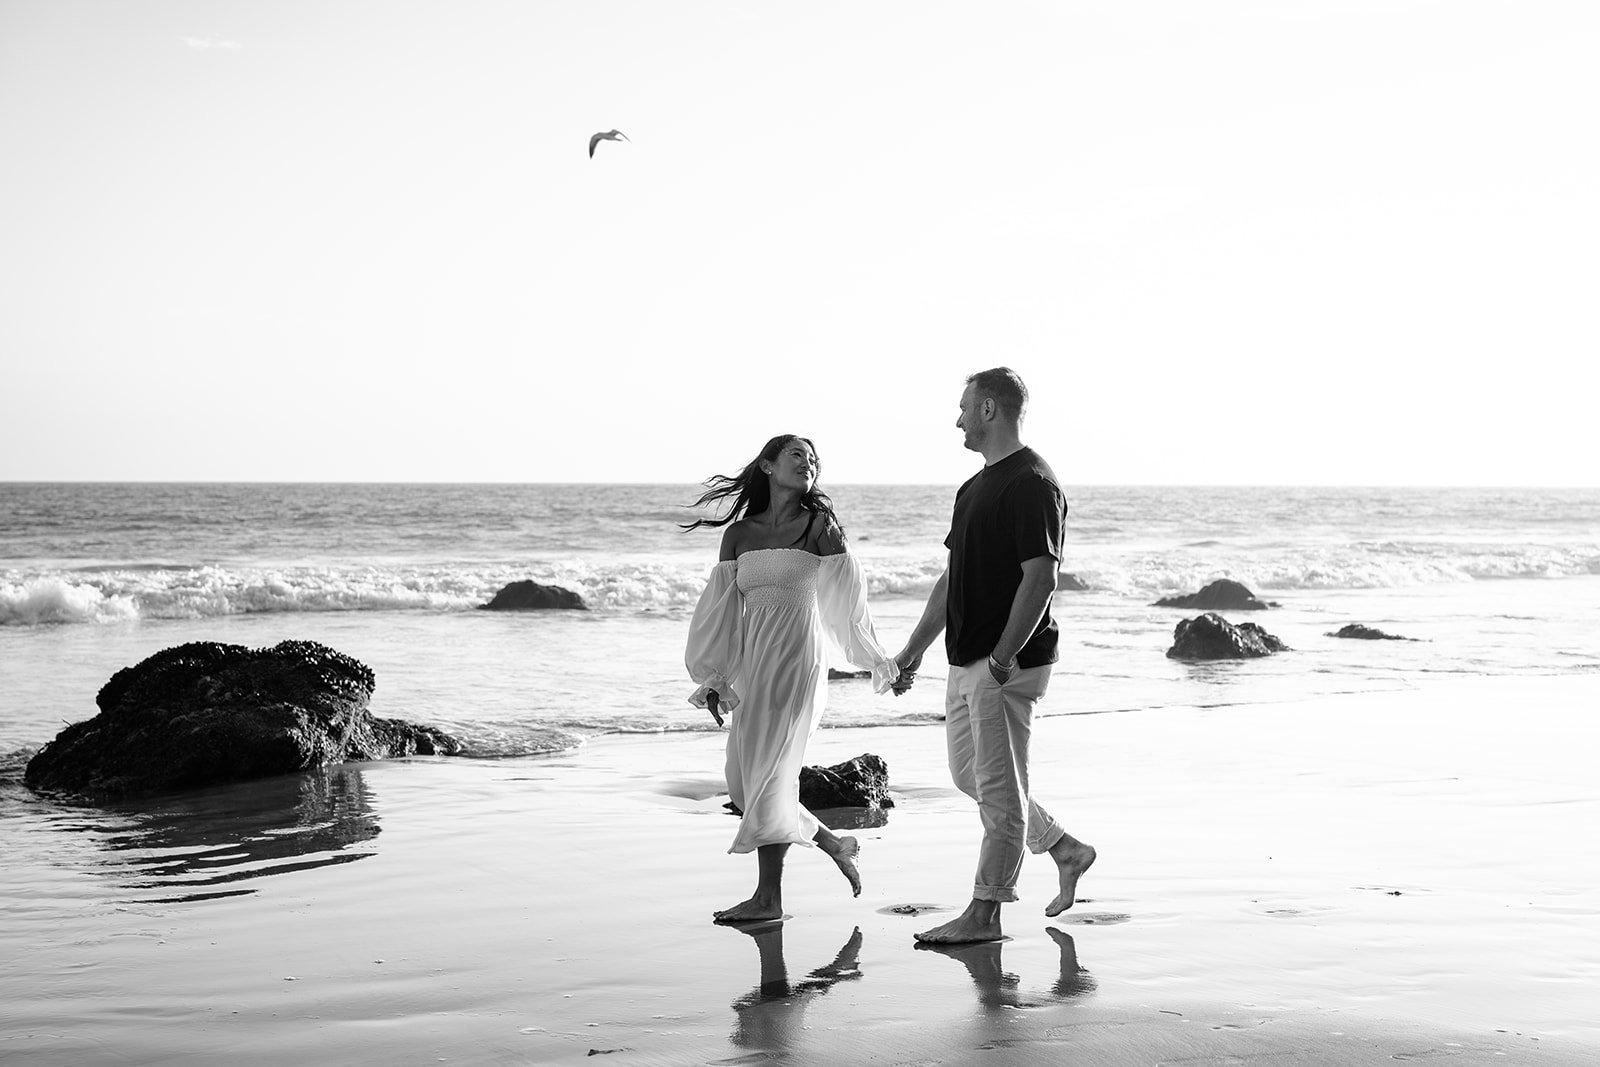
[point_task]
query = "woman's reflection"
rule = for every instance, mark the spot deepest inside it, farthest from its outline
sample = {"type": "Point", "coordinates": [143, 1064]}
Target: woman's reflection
{"type": "Point", "coordinates": [769, 1015]}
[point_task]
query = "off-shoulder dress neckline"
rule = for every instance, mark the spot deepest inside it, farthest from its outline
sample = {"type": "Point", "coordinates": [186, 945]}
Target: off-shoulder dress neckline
{"type": "Point", "coordinates": [802, 551]}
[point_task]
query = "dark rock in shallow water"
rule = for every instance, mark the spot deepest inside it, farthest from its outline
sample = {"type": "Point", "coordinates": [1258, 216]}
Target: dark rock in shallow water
{"type": "Point", "coordinates": [839, 676]}
{"type": "Point", "coordinates": [1366, 633]}
{"type": "Point", "coordinates": [1067, 582]}
{"type": "Point", "coordinates": [529, 595]}
{"type": "Point", "coordinates": [862, 782]}
{"type": "Point", "coordinates": [1224, 594]}
{"type": "Point", "coordinates": [206, 713]}
{"type": "Point", "coordinates": [1210, 636]}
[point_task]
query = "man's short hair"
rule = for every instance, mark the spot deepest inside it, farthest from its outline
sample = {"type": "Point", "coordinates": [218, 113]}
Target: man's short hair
{"type": "Point", "coordinates": [1005, 386]}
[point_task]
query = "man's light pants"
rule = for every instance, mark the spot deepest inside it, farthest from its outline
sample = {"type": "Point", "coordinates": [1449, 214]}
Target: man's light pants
{"type": "Point", "coordinates": [987, 729]}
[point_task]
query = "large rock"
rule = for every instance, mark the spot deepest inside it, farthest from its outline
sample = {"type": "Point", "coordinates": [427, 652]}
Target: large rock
{"type": "Point", "coordinates": [1067, 582]}
{"type": "Point", "coordinates": [1224, 594]}
{"type": "Point", "coordinates": [528, 595]}
{"type": "Point", "coordinates": [1210, 636]}
{"type": "Point", "coordinates": [205, 713]}
{"type": "Point", "coordinates": [862, 782]}
{"type": "Point", "coordinates": [1366, 633]}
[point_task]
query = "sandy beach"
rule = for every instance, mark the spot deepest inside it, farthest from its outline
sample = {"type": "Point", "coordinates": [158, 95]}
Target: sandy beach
{"type": "Point", "coordinates": [1348, 880]}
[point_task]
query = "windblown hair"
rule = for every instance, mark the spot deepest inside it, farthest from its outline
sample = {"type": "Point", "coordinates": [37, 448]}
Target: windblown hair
{"type": "Point", "coordinates": [752, 494]}
{"type": "Point", "coordinates": [1005, 386]}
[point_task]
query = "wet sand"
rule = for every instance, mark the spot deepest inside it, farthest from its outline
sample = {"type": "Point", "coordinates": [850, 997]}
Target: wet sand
{"type": "Point", "coordinates": [1352, 880]}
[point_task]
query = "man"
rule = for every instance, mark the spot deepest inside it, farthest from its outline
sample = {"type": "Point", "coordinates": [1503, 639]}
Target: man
{"type": "Point", "coordinates": [993, 604]}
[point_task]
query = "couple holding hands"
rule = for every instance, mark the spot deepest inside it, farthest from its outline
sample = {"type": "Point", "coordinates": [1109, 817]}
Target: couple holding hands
{"type": "Point", "coordinates": [786, 589]}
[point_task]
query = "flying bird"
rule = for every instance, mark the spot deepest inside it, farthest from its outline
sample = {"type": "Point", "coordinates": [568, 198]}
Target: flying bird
{"type": "Point", "coordinates": [611, 135]}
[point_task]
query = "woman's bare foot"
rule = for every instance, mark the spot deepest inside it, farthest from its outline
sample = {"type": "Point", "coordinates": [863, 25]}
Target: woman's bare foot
{"type": "Point", "coordinates": [1072, 857]}
{"type": "Point", "coordinates": [844, 851]}
{"type": "Point", "coordinates": [980, 922]}
{"type": "Point", "coordinates": [749, 911]}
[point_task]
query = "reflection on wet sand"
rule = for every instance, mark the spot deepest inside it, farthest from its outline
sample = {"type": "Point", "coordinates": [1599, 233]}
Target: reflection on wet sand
{"type": "Point", "coordinates": [194, 843]}
{"type": "Point", "coordinates": [841, 819]}
{"type": "Point", "coordinates": [770, 1016]}
{"type": "Point", "coordinates": [999, 989]}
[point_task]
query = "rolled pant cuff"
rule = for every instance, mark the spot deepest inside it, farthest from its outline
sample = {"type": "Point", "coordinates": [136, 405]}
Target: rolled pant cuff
{"type": "Point", "coordinates": [1004, 894]}
{"type": "Point", "coordinates": [1047, 841]}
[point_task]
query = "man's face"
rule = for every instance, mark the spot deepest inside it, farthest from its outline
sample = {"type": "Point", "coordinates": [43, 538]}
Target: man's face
{"type": "Point", "coordinates": [971, 423]}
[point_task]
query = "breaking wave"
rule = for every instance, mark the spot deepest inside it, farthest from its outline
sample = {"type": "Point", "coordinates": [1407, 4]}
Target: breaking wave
{"type": "Point", "coordinates": [120, 594]}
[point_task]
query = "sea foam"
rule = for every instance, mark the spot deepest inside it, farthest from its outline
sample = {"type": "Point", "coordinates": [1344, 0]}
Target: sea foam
{"type": "Point", "coordinates": [49, 599]}
{"type": "Point", "coordinates": [117, 594]}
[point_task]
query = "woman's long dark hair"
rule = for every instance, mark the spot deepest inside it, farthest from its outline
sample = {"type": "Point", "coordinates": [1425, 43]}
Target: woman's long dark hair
{"type": "Point", "coordinates": [751, 493]}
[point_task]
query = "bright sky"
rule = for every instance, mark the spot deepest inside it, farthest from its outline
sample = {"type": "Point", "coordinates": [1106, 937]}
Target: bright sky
{"type": "Point", "coordinates": [1281, 241]}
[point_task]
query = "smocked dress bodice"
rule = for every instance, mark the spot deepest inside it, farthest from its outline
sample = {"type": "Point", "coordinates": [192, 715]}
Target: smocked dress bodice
{"type": "Point", "coordinates": [778, 579]}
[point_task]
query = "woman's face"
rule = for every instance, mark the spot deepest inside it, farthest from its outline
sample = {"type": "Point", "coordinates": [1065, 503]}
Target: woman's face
{"type": "Point", "coordinates": [794, 467]}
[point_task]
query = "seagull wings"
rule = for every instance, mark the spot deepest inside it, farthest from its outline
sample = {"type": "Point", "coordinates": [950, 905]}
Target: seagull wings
{"type": "Point", "coordinates": [610, 135]}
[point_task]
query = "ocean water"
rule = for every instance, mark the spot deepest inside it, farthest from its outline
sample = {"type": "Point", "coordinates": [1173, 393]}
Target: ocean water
{"type": "Point", "coordinates": [95, 577]}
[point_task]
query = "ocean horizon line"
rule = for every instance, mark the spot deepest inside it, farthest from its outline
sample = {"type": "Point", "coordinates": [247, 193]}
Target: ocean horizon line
{"type": "Point", "coordinates": [622, 484]}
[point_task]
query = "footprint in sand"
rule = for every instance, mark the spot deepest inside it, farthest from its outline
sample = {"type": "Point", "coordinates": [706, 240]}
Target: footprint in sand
{"type": "Point", "coordinates": [912, 909]}
{"type": "Point", "coordinates": [1093, 918]}
{"type": "Point", "coordinates": [1289, 912]}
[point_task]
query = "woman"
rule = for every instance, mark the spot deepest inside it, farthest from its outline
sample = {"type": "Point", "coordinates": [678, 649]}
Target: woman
{"type": "Point", "coordinates": [784, 587]}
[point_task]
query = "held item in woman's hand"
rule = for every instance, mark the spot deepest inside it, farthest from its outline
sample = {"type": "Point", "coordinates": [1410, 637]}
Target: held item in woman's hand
{"type": "Point", "coordinates": [711, 705]}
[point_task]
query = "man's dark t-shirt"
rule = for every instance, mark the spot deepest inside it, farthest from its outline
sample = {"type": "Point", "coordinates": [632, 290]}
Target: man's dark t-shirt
{"type": "Point", "coordinates": [1008, 512]}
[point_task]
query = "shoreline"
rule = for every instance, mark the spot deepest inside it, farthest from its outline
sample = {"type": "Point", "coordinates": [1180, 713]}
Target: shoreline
{"type": "Point", "coordinates": [1305, 882]}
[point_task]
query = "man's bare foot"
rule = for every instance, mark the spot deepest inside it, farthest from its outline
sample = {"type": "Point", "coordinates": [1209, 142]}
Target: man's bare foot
{"type": "Point", "coordinates": [844, 851]}
{"type": "Point", "coordinates": [749, 911]}
{"type": "Point", "coordinates": [980, 922]}
{"type": "Point", "coordinates": [1072, 857]}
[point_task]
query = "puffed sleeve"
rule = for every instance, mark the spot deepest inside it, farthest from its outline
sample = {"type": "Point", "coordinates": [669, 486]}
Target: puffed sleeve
{"type": "Point", "coordinates": [715, 637]}
{"type": "Point", "coordinates": [846, 621]}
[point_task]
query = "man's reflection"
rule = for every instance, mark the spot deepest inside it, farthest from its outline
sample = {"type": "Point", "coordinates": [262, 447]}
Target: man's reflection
{"type": "Point", "coordinates": [998, 988]}
{"type": "Point", "coordinates": [769, 1015]}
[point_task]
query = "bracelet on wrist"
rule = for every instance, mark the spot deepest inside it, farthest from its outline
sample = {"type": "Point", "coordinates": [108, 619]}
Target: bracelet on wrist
{"type": "Point", "coordinates": [1005, 668]}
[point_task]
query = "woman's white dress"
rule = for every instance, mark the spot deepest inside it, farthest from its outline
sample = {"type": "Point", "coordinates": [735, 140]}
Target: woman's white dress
{"type": "Point", "coordinates": [760, 637]}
